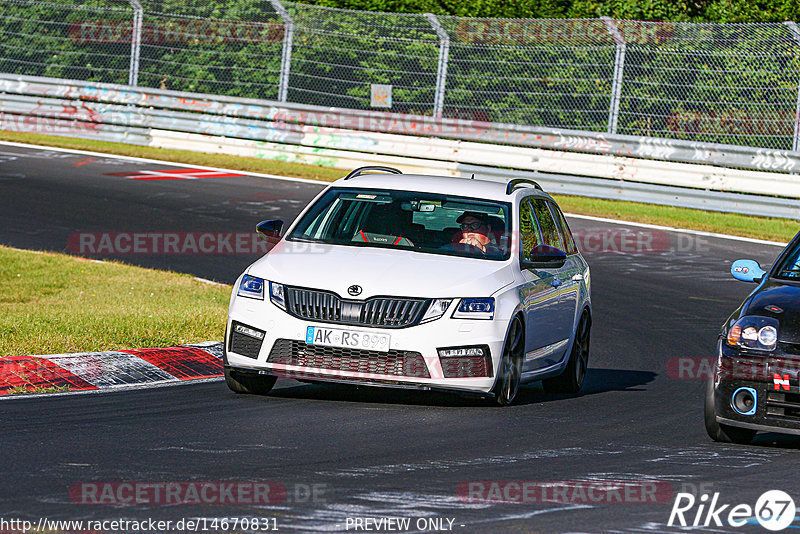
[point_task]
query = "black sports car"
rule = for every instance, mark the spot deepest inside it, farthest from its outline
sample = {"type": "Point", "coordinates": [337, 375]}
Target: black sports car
{"type": "Point", "coordinates": [756, 382]}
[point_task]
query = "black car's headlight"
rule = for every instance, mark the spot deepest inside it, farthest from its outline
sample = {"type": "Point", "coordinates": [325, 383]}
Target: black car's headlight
{"type": "Point", "coordinates": [754, 332]}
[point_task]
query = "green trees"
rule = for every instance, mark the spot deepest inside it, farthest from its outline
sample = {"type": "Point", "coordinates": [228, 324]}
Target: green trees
{"type": "Point", "coordinates": [734, 83]}
{"type": "Point", "coordinates": [654, 10]}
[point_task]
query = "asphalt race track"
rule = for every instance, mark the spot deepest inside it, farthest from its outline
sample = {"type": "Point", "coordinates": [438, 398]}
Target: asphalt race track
{"type": "Point", "coordinates": [342, 453]}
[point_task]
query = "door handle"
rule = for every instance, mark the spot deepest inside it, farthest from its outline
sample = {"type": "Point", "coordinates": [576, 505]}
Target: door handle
{"type": "Point", "coordinates": [577, 278]}
{"type": "Point", "coordinates": [556, 282]}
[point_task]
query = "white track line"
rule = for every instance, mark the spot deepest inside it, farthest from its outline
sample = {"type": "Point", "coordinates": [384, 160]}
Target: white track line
{"type": "Point", "coordinates": [211, 282]}
{"type": "Point", "coordinates": [162, 162]}
{"type": "Point", "coordinates": [678, 230]}
{"type": "Point", "coordinates": [319, 182]}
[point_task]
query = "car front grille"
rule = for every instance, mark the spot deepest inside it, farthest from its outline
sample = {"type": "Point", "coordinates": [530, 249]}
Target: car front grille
{"type": "Point", "coordinates": [327, 307]}
{"type": "Point", "coordinates": [789, 348]}
{"type": "Point", "coordinates": [394, 362]}
{"type": "Point", "coordinates": [784, 405]}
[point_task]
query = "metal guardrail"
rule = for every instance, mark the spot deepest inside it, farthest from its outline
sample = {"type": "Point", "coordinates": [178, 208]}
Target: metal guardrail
{"type": "Point", "coordinates": [582, 163]}
{"type": "Point", "coordinates": [292, 117]}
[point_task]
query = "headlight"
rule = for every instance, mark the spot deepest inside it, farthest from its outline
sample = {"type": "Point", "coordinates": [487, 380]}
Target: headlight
{"type": "Point", "coordinates": [754, 332]}
{"type": "Point", "coordinates": [478, 308]}
{"type": "Point", "coordinates": [277, 294]}
{"type": "Point", "coordinates": [436, 309]}
{"type": "Point", "coordinates": [251, 287]}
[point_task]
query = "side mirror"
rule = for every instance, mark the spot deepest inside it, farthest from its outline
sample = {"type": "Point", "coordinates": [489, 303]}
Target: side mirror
{"type": "Point", "coordinates": [747, 271]}
{"type": "Point", "coordinates": [270, 229]}
{"type": "Point", "coordinates": [545, 256]}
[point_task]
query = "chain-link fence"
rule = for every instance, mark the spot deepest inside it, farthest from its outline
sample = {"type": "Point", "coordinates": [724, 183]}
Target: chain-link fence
{"type": "Point", "coordinates": [722, 83]}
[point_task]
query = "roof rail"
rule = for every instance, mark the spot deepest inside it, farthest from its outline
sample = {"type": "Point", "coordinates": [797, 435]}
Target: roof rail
{"type": "Point", "coordinates": [512, 185]}
{"type": "Point", "coordinates": [368, 170]}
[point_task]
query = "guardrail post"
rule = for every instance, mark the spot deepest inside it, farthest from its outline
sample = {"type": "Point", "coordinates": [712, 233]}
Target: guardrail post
{"type": "Point", "coordinates": [619, 68]}
{"type": "Point", "coordinates": [136, 42]}
{"type": "Point", "coordinates": [796, 130]}
{"type": "Point", "coordinates": [441, 71]}
{"type": "Point", "coordinates": [286, 55]}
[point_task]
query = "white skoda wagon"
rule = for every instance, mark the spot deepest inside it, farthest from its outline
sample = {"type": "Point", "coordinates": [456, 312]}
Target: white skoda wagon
{"type": "Point", "coordinates": [425, 282]}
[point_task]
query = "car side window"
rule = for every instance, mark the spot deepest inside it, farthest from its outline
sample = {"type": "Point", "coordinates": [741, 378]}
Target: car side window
{"type": "Point", "coordinates": [550, 234]}
{"type": "Point", "coordinates": [530, 237]}
{"type": "Point", "coordinates": [565, 231]}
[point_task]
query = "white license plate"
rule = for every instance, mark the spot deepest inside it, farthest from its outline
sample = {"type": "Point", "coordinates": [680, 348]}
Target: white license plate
{"type": "Point", "coordinates": [353, 339]}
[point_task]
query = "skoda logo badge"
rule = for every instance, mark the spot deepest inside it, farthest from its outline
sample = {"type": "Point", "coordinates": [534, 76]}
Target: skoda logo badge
{"type": "Point", "coordinates": [354, 290]}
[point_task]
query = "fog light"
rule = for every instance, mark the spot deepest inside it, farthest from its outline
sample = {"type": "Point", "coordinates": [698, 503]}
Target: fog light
{"type": "Point", "coordinates": [241, 329]}
{"type": "Point", "coordinates": [464, 351]}
{"type": "Point", "coordinates": [744, 401]}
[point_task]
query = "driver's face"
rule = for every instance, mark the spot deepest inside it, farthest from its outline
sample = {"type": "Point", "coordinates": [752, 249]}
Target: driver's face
{"type": "Point", "coordinates": [471, 226]}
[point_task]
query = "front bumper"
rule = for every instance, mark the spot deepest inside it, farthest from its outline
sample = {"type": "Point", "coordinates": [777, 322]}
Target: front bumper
{"type": "Point", "coordinates": [773, 379]}
{"type": "Point", "coordinates": [412, 360]}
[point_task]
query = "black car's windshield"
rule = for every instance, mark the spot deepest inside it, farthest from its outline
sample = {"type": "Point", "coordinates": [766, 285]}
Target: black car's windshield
{"type": "Point", "coordinates": [789, 268]}
{"type": "Point", "coordinates": [422, 222]}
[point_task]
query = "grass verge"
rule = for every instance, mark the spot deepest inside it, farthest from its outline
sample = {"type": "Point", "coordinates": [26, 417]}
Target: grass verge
{"type": "Point", "coordinates": [23, 390]}
{"type": "Point", "coordinates": [311, 172]}
{"type": "Point", "coordinates": [54, 303]}
{"type": "Point", "coordinates": [725, 223]}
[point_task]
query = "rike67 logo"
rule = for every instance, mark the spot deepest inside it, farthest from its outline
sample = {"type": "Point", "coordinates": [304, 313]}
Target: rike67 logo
{"type": "Point", "coordinates": [774, 510]}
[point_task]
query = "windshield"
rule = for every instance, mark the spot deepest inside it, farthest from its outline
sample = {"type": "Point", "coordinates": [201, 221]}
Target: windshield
{"type": "Point", "coordinates": [408, 220]}
{"type": "Point", "coordinates": [789, 268]}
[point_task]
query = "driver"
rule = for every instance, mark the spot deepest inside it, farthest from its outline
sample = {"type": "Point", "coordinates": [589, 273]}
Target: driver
{"type": "Point", "coordinates": [476, 231]}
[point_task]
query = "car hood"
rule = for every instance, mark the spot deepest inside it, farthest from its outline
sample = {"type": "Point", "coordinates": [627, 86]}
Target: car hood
{"type": "Point", "coordinates": [381, 271]}
{"type": "Point", "coordinates": [785, 296]}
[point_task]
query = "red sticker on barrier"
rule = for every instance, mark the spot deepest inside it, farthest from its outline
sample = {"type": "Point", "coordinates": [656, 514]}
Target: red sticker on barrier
{"type": "Point", "coordinates": [185, 363]}
{"type": "Point", "coordinates": [27, 374]}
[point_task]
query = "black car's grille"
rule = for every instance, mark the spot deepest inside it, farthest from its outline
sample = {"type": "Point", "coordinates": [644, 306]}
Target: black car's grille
{"type": "Point", "coordinates": [789, 348]}
{"type": "Point", "coordinates": [327, 307]}
{"type": "Point", "coordinates": [394, 362]}
{"type": "Point", "coordinates": [783, 404]}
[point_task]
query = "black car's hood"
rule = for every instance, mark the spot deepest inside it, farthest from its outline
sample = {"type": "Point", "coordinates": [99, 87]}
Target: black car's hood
{"type": "Point", "coordinates": [785, 296]}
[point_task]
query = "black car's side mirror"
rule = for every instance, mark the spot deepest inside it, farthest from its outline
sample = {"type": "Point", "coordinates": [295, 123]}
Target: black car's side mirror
{"type": "Point", "coordinates": [270, 229]}
{"type": "Point", "coordinates": [545, 256]}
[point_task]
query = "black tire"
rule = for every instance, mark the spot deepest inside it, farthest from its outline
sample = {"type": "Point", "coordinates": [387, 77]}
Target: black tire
{"type": "Point", "coordinates": [256, 385]}
{"type": "Point", "coordinates": [721, 432]}
{"type": "Point", "coordinates": [509, 371]}
{"type": "Point", "coordinates": [571, 380]}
